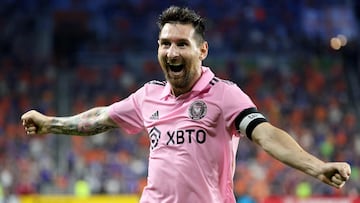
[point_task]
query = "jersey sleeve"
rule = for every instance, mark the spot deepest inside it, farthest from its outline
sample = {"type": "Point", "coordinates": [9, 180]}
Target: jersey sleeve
{"type": "Point", "coordinates": [126, 113]}
{"type": "Point", "coordinates": [234, 102]}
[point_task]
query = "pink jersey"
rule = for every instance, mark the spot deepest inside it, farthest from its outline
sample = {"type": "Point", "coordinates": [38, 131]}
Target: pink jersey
{"type": "Point", "coordinates": [193, 147]}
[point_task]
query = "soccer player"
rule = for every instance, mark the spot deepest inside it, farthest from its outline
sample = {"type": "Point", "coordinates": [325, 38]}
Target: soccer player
{"type": "Point", "coordinates": [194, 121]}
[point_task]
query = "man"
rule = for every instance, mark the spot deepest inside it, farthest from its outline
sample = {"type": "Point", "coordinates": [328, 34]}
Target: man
{"type": "Point", "coordinates": [194, 121]}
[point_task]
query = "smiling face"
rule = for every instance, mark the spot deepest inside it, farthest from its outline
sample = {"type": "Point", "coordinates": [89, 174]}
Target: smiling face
{"type": "Point", "coordinates": [180, 56]}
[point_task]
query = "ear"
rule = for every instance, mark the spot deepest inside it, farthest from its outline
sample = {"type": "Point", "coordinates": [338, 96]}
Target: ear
{"type": "Point", "coordinates": [204, 48]}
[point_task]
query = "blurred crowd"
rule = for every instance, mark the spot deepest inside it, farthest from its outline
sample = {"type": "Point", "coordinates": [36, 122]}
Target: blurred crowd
{"type": "Point", "coordinates": [64, 57]}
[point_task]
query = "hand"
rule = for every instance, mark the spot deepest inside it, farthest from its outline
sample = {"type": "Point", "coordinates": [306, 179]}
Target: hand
{"type": "Point", "coordinates": [34, 122]}
{"type": "Point", "coordinates": [335, 173]}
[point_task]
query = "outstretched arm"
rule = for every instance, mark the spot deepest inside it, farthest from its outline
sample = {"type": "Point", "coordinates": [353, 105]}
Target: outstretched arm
{"type": "Point", "coordinates": [283, 147]}
{"type": "Point", "coordinates": [91, 122]}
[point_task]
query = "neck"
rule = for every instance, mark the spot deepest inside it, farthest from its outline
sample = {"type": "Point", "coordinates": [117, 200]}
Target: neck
{"type": "Point", "coordinates": [179, 91]}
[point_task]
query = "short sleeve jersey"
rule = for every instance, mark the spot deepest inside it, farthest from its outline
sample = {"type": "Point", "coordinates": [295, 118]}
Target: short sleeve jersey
{"type": "Point", "coordinates": [193, 138]}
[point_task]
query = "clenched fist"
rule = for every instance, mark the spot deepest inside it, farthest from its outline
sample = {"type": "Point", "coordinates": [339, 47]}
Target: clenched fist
{"type": "Point", "coordinates": [335, 173]}
{"type": "Point", "coordinates": [34, 122]}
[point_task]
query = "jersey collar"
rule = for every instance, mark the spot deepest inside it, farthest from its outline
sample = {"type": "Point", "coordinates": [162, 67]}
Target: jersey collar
{"type": "Point", "coordinates": [206, 76]}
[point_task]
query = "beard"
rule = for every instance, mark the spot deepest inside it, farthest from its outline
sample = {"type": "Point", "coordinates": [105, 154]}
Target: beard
{"type": "Point", "coordinates": [179, 81]}
{"type": "Point", "coordinates": [181, 76]}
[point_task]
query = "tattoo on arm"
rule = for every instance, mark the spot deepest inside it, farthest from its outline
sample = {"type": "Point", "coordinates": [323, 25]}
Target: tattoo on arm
{"type": "Point", "coordinates": [90, 122]}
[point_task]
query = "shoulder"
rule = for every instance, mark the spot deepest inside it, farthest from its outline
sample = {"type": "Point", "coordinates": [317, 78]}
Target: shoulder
{"type": "Point", "coordinates": [150, 86]}
{"type": "Point", "coordinates": [218, 82]}
{"type": "Point", "coordinates": [155, 83]}
{"type": "Point", "coordinates": [153, 87]}
{"type": "Point", "coordinates": [228, 89]}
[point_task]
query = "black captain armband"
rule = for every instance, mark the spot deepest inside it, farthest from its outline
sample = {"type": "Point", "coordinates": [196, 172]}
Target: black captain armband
{"type": "Point", "coordinates": [247, 120]}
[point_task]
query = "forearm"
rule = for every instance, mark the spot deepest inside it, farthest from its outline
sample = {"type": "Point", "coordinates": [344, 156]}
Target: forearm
{"type": "Point", "coordinates": [90, 122]}
{"type": "Point", "coordinates": [284, 148]}
{"type": "Point", "coordinates": [290, 153]}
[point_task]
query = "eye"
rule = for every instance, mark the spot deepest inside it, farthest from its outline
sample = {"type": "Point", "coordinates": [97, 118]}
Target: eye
{"type": "Point", "coordinates": [182, 44]}
{"type": "Point", "coordinates": [165, 43]}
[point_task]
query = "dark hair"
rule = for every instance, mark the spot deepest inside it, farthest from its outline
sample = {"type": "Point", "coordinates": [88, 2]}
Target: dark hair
{"type": "Point", "coordinates": [175, 14]}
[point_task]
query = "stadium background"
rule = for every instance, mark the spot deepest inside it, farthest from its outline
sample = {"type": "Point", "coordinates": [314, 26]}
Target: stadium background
{"type": "Point", "coordinates": [297, 59]}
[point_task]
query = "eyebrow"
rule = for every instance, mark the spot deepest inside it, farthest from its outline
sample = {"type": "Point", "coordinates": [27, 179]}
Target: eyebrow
{"type": "Point", "coordinates": [177, 40]}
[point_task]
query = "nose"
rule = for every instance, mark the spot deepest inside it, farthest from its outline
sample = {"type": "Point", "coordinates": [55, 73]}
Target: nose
{"type": "Point", "coordinates": [173, 51]}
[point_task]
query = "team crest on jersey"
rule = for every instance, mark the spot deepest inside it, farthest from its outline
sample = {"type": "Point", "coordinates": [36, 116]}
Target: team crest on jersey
{"type": "Point", "coordinates": [197, 110]}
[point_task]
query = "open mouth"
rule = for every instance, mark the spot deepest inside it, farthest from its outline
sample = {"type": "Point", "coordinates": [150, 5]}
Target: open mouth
{"type": "Point", "coordinates": [176, 68]}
